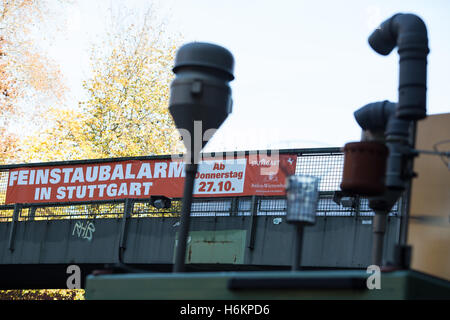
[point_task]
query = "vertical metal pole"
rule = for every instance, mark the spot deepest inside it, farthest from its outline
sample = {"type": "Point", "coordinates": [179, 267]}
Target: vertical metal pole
{"type": "Point", "coordinates": [402, 250]}
{"type": "Point", "coordinates": [407, 194]}
{"type": "Point", "coordinates": [379, 229]}
{"type": "Point", "coordinates": [191, 170]}
{"type": "Point", "coordinates": [234, 207]}
{"type": "Point", "coordinates": [254, 212]}
{"type": "Point", "coordinates": [406, 203]}
{"type": "Point", "coordinates": [127, 212]}
{"type": "Point", "coordinates": [404, 215]}
{"type": "Point", "coordinates": [298, 244]}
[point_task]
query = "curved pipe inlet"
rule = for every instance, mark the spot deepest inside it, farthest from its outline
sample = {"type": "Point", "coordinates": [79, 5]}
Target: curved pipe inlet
{"type": "Point", "coordinates": [374, 116]}
{"type": "Point", "coordinates": [379, 117]}
{"type": "Point", "coordinates": [409, 33]}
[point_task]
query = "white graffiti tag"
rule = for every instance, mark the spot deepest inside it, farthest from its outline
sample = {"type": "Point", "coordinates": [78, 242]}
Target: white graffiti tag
{"type": "Point", "coordinates": [84, 231]}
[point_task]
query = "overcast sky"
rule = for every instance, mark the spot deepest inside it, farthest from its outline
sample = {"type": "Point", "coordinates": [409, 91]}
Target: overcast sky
{"type": "Point", "coordinates": [302, 67]}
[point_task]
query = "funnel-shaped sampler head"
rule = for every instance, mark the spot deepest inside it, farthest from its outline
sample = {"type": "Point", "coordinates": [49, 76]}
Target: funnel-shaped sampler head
{"type": "Point", "coordinates": [364, 168]}
{"type": "Point", "coordinates": [200, 95]}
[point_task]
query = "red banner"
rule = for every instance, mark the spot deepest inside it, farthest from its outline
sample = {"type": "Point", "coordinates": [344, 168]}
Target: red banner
{"type": "Point", "coordinates": [243, 176]}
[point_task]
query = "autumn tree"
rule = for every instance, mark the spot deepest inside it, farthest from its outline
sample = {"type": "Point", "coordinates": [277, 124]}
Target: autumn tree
{"type": "Point", "coordinates": [27, 76]}
{"type": "Point", "coordinates": [8, 140]}
{"type": "Point", "coordinates": [128, 96]}
{"type": "Point", "coordinates": [126, 110]}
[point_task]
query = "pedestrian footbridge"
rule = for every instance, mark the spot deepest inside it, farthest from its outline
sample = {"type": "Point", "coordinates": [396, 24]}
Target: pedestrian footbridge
{"type": "Point", "coordinates": [39, 240]}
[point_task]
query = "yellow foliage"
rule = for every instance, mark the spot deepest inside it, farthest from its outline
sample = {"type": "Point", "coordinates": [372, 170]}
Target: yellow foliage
{"type": "Point", "coordinates": [27, 77]}
{"type": "Point", "coordinates": [42, 294]}
{"type": "Point", "coordinates": [126, 113]}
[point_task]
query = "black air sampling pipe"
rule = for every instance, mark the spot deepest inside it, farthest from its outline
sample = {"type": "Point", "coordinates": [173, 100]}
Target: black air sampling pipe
{"type": "Point", "coordinates": [380, 120]}
{"type": "Point", "coordinates": [409, 33]}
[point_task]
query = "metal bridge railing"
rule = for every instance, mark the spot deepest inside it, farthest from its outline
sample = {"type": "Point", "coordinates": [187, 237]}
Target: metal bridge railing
{"type": "Point", "coordinates": [325, 163]}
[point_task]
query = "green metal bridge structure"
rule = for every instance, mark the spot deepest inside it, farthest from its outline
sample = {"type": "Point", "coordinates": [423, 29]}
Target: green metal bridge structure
{"type": "Point", "coordinates": [39, 241]}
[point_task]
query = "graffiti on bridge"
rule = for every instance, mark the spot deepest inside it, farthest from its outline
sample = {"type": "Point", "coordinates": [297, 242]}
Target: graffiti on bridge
{"type": "Point", "coordinates": [84, 230]}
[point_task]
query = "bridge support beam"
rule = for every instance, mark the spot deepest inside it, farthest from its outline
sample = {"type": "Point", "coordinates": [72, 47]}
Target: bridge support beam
{"type": "Point", "coordinates": [254, 212]}
{"type": "Point", "coordinates": [127, 212]}
{"type": "Point", "coordinates": [15, 218]}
